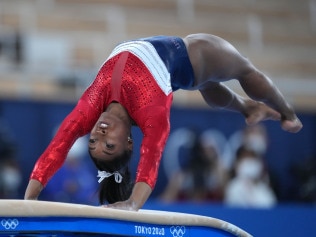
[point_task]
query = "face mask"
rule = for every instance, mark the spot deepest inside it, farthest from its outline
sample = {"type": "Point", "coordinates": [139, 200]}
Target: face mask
{"type": "Point", "coordinates": [249, 168]}
{"type": "Point", "coordinates": [11, 178]}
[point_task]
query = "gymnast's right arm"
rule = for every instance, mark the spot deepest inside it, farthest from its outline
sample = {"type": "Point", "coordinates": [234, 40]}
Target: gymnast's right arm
{"type": "Point", "coordinates": [33, 190]}
{"type": "Point", "coordinates": [78, 123]}
{"type": "Point", "coordinates": [75, 125]}
{"type": "Point", "coordinates": [55, 154]}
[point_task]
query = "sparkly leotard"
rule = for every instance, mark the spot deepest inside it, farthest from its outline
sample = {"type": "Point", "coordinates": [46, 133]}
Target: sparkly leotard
{"type": "Point", "coordinates": [154, 67]}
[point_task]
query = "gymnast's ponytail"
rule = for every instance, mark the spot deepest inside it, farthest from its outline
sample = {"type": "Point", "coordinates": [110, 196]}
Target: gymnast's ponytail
{"type": "Point", "coordinates": [110, 189]}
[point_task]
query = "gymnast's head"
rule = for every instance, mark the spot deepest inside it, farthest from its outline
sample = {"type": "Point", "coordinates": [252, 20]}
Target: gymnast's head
{"type": "Point", "coordinates": [110, 148]}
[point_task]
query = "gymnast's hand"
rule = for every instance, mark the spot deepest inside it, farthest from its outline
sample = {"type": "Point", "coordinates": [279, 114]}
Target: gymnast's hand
{"type": "Point", "coordinates": [139, 196]}
{"type": "Point", "coordinates": [33, 190]}
{"type": "Point", "coordinates": [127, 205]}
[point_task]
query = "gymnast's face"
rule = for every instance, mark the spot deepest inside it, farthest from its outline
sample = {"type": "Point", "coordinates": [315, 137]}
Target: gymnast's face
{"type": "Point", "coordinates": [109, 137]}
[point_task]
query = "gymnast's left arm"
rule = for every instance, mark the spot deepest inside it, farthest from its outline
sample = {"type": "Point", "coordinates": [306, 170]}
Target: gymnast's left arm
{"type": "Point", "coordinates": [155, 126]}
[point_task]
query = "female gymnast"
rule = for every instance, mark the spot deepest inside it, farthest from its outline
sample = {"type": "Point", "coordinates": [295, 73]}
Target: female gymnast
{"type": "Point", "coordinates": [134, 87]}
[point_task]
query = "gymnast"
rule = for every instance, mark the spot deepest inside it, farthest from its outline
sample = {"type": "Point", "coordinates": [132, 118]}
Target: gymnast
{"type": "Point", "coordinates": [134, 87]}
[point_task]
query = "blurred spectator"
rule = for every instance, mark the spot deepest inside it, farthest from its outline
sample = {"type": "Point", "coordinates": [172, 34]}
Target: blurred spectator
{"type": "Point", "coordinates": [249, 186]}
{"type": "Point", "coordinates": [203, 178]}
{"type": "Point", "coordinates": [253, 137]}
{"type": "Point", "coordinates": [10, 174]}
{"type": "Point", "coordinates": [305, 175]}
{"type": "Point", "coordinates": [75, 182]}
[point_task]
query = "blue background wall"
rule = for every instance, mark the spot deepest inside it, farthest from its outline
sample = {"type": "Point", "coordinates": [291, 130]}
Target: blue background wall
{"type": "Point", "coordinates": [32, 124]}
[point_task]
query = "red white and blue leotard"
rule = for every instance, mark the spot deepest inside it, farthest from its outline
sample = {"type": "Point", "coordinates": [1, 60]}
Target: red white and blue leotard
{"type": "Point", "coordinates": [153, 68]}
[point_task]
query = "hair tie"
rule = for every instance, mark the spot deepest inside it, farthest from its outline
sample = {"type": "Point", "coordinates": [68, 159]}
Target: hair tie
{"type": "Point", "coordinates": [104, 174]}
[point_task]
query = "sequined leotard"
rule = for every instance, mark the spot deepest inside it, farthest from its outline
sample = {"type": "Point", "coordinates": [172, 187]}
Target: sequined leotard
{"type": "Point", "coordinates": [154, 67]}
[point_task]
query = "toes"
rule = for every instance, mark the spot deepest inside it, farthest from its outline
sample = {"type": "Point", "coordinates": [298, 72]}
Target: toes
{"type": "Point", "coordinates": [254, 119]}
{"type": "Point", "coordinates": [292, 126]}
{"type": "Point", "coordinates": [275, 116]}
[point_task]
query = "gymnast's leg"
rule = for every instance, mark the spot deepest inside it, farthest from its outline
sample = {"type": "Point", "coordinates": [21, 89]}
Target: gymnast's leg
{"type": "Point", "coordinates": [218, 95]}
{"type": "Point", "coordinates": [215, 60]}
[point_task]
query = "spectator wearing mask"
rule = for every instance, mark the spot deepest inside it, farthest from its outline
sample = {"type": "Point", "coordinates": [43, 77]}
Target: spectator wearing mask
{"type": "Point", "coordinates": [202, 179]}
{"type": "Point", "coordinates": [249, 186]}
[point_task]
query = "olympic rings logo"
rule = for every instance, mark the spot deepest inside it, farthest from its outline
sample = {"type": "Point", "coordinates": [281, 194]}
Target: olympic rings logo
{"type": "Point", "coordinates": [9, 223]}
{"type": "Point", "coordinates": [177, 231]}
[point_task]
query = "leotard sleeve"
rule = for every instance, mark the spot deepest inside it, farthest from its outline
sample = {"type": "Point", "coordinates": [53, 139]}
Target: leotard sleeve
{"type": "Point", "coordinates": [155, 127]}
{"type": "Point", "coordinates": [78, 123]}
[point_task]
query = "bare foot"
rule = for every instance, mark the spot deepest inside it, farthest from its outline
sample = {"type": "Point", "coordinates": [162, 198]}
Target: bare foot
{"type": "Point", "coordinates": [261, 112]}
{"type": "Point", "coordinates": [293, 126]}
